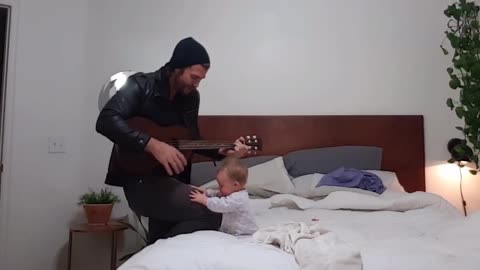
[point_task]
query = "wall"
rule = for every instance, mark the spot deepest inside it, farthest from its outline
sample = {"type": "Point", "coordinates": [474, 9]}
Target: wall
{"type": "Point", "coordinates": [268, 57]}
{"type": "Point", "coordinates": [307, 57]}
{"type": "Point", "coordinates": [50, 99]}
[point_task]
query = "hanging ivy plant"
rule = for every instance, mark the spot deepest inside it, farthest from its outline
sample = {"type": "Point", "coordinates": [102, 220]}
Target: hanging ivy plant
{"type": "Point", "coordinates": [463, 33]}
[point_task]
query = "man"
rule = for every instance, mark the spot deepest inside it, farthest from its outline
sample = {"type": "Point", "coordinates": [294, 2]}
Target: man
{"type": "Point", "coordinates": [167, 96]}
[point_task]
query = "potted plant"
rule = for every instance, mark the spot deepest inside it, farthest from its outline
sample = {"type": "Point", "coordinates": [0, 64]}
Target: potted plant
{"type": "Point", "coordinates": [463, 33]}
{"type": "Point", "coordinates": [98, 205]}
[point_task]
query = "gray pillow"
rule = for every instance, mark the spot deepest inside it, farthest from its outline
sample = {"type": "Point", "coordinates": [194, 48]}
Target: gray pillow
{"type": "Point", "coordinates": [204, 172]}
{"type": "Point", "coordinates": [326, 159]}
{"type": "Point", "coordinates": [306, 186]}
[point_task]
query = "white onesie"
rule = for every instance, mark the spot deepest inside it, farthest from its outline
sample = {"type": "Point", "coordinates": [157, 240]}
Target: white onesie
{"type": "Point", "coordinates": [237, 216]}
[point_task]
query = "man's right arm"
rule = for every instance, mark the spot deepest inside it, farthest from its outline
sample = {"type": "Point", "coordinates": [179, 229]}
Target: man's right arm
{"type": "Point", "coordinates": [112, 121]}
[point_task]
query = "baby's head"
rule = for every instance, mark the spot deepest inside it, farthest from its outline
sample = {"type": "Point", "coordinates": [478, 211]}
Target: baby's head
{"type": "Point", "coordinates": [232, 176]}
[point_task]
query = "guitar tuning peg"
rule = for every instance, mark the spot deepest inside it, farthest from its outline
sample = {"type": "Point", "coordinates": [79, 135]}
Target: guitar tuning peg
{"type": "Point", "coordinates": [256, 148]}
{"type": "Point", "coordinates": [256, 141]}
{"type": "Point", "coordinates": [248, 137]}
{"type": "Point", "coordinates": [254, 136]}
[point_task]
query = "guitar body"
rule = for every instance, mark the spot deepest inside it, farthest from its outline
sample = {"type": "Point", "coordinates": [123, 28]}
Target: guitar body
{"type": "Point", "coordinates": [128, 161]}
{"type": "Point", "coordinates": [144, 163]}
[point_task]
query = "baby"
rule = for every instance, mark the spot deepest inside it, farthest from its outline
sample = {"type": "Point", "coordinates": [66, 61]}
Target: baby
{"type": "Point", "coordinates": [231, 199]}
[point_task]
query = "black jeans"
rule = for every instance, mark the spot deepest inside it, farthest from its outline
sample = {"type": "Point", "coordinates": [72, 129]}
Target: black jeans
{"type": "Point", "coordinates": [166, 203]}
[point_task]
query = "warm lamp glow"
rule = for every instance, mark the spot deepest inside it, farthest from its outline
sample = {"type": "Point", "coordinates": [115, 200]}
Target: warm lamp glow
{"type": "Point", "coordinates": [453, 171]}
{"type": "Point", "coordinates": [450, 172]}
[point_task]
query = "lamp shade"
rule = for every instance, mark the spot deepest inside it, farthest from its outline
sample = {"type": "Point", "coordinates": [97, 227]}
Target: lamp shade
{"type": "Point", "coordinates": [459, 150]}
{"type": "Point", "coordinates": [110, 87]}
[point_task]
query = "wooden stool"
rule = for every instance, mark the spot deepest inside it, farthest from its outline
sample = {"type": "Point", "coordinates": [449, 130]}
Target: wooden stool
{"type": "Point", "coordinates": [112, 228]}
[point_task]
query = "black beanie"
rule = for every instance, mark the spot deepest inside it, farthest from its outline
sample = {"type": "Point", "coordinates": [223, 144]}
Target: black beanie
{"type": "Point", "coordinates": [188, 52]}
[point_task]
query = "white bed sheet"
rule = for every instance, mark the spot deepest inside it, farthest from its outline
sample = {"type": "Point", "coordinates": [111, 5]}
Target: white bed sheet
{"type": "Point", "coordinates": [430, 234]}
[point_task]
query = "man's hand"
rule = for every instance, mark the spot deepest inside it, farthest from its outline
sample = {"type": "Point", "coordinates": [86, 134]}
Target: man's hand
{"type": "Point", "coordinates": [199, 197]}
{"type": "Point", "coordinates": [171, 159]}
{"type": "Point", "coordinates": [239, 150]}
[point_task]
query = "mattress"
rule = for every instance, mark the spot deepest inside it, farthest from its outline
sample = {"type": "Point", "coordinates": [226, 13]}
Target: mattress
{"type": "Point", "coordinates": [396, 230]}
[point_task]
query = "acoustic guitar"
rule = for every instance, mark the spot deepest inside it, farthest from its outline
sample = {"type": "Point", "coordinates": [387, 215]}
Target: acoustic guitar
{"type": "Point", "coordinates": [132, 162]}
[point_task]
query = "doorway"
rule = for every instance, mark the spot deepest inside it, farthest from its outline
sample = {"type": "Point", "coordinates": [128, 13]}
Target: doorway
{"type": "Point", "coordinates": [8, 24]}
{"type": "Point", "coordinates": [4, 40]}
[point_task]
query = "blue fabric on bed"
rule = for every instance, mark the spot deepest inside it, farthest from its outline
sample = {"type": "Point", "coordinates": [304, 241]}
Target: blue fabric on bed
{"type": "Point", "coordinates": [353, 178]}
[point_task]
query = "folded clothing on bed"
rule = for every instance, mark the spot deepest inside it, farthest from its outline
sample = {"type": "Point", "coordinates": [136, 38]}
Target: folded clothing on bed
{"type": "Point", "coordinates": [353, 178]}
{"type": "Point", "coordinates": [314, 247]}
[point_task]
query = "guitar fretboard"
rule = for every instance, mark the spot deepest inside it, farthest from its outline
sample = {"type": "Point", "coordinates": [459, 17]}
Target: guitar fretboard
{"type": "Point", "coordinates": [199, 145]}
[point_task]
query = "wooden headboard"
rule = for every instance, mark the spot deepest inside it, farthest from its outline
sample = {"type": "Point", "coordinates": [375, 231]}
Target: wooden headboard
{"type": "Point", "coordinates": [400, 137]}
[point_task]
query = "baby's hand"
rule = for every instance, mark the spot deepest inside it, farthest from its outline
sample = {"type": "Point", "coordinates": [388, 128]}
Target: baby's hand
{"type": "Point", "coordinates": [199, 197]}
{"type": "Point", "coordinates": [198, 188]}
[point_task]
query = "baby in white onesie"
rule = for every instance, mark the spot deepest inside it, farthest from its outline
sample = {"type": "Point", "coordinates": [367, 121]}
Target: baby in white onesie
{"type": "Point", "coordinates": [231, 199]}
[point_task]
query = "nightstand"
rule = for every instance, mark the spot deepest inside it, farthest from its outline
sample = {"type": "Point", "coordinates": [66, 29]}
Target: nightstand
{"type": "Point", "coordinates": [112, 228]}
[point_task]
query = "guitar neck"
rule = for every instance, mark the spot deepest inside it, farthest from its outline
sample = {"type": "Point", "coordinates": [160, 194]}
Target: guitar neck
{"type": "Point", "coordinates": [200, 145]}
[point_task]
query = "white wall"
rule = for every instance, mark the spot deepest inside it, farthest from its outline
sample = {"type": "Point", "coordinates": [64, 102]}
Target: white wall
{"type": "Point", "coordinates": [315, 57]}
{"type": "Point", "coordinates": [304, 57]}
{"type": "Point", "coordinates": [50, 99]}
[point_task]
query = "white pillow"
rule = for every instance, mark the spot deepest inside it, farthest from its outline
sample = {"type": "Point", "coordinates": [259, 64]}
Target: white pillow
{"type": "Point", "coordinates": [305, 186]}
{"type": "Point", "coordinates": [265, 179]}
{"type": "Point", "coordinates": [210, 185]}
{"type": "Point", "coordinates": [389, 180]}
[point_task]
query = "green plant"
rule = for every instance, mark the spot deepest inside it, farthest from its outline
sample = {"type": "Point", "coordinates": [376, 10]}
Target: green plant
{"type": "Point", "coordinates": [105, 196]}
{"type": "Point", "coordinates": [463, 33]}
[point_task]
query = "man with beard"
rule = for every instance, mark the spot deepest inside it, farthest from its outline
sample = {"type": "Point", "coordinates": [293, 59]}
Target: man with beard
{"type": "Point", "coordinates": [169, 97]}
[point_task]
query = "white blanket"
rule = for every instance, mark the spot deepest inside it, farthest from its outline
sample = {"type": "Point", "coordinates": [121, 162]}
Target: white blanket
{"type": "Point", "coordinates": [391, 201]}
{"type": "Point", "coordinates": [394, 231]}
{"type": "Point", "coordinates": [209, 250]}
{"type": "Point", "coordinates": [313, 247]}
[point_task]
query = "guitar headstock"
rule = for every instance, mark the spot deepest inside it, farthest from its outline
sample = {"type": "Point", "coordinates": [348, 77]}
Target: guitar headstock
{"type": "Point", "coordinates": [254, 144]}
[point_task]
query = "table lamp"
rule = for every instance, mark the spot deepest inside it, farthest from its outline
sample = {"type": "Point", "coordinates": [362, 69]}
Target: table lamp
{"type": "Point", "coordinates": [114, 84]}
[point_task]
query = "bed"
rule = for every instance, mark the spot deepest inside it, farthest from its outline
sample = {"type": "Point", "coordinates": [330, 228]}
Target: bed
{"type": "Point", "coordinates": [303, 226]}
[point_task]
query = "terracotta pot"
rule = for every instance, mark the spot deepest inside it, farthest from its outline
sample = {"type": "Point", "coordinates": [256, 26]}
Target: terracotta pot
{"type": "Point", "coordinates": [98, 214]}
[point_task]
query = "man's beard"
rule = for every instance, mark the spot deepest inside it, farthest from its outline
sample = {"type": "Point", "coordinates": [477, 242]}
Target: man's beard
{"type": "Point", "coordinates": [182, 88]}
{"type": "Point", "coordinates": [185, 90]}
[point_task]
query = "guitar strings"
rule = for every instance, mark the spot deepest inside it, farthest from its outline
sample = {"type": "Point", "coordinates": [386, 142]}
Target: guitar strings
{"type": "Point", "coordinates": [196, 145]}
{"type": "Point", "coordinates": [202, 144]}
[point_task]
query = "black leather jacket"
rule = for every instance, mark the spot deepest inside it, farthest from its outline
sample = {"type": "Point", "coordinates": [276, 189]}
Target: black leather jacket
{"type": "Point", "coordinates": [146, 95]}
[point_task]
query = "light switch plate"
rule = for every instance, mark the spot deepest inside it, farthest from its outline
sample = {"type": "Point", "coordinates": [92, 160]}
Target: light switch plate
{"type": "Point", "coordinates": [56, 144]}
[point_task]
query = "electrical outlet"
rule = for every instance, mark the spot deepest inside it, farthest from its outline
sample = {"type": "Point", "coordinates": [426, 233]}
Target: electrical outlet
{"type": "Point", "coordinates": [56, 144]}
